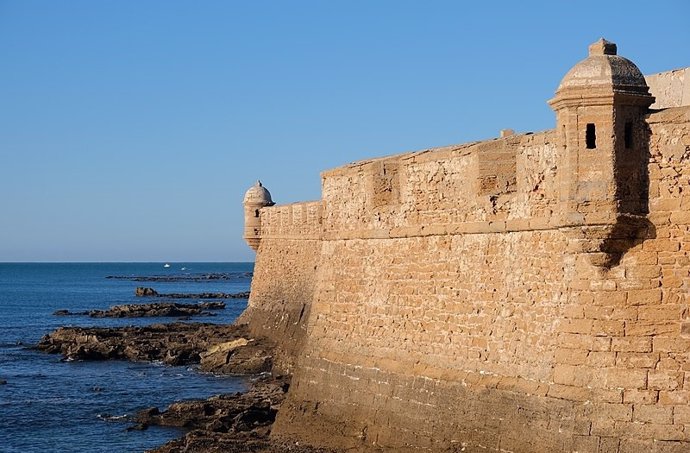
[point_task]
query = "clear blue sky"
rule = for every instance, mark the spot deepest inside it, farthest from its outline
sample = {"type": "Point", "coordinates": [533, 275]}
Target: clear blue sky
{"type": "Point", "coordinates": [129, 130]}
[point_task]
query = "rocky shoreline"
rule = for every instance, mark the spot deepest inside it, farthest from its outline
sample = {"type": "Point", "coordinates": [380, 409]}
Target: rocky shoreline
{"type": "Point", "coordinates": [157, 309]}
{"type": "Point", "coordinates": [142, 291]}
{"type": "Point", "coordinates": [239, 422]}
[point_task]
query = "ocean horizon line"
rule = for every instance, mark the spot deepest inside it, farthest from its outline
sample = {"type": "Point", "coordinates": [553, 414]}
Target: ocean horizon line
{"type": "Point", "coordinates": [127, 262]}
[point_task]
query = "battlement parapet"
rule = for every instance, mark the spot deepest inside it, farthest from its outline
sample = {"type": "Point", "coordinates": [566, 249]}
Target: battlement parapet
{"type": "Point", "coordinates": [505, 184]}
{"type": "Point", "coordinates": [292, 221]}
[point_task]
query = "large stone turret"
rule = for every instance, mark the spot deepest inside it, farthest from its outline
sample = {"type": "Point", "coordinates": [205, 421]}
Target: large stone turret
{"type": "Point", "coordinates": [255, 198]}
{"type": "Point", "coordinates": [600, 106]}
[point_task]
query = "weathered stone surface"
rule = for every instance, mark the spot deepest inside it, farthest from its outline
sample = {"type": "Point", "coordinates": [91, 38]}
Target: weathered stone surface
{"type": "Point", "coordinates": [233, 357]}
{"type": "Point", "coordinates": [670, 88]}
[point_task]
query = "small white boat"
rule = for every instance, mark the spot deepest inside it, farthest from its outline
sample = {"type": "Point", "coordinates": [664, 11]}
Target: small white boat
{"type": "Point", "coordinates": [166, 265]}
{"type": "Point", "coordinates": [183, 269]}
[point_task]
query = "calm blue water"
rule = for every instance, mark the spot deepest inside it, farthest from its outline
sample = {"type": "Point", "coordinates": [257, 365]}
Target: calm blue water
{"type": "Point", "coordinates": [49, 405]}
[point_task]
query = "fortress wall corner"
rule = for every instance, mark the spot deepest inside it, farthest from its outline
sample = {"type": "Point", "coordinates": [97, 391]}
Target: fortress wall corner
{"type": "Point", "coordinates": [285, 273]}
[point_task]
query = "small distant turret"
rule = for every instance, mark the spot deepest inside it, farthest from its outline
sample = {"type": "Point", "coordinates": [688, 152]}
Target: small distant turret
{"type": "Point", "coordinates": [255, 198]}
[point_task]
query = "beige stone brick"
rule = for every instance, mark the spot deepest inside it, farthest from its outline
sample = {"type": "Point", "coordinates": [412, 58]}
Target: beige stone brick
{"type": "Point", "coordinates": [603, 427]}
{"type": "Point", "coordinates": [617, 412]}
{"type": "Point", "coordinates": [681, 415]}
{"type": "Point", "coordinates": [577, 341]}
{"type": "Point", "coordinates": [608, 445]}
{"type": "Point", "coordinates": [641, 257]}
{"type": "Point", "coordinates": [605, 328]}
{"type": "Point", "coordinates": [637, 359]}
{"type": "Point", "coordinates": [611, 312]}
{"type": "Point", "coordinates": [670, 344]}
{"type": "Point", "coordinates": [643, 271]}
{"type": "Point", "coordinates": [651, 413]}
{"type": "Point", "coordinates": [632, 344]}
{"type": "Point", "coordinates": [585, 444]}
{"type": "Point", "coordinates": [568, 392]}
{"type": "Point", "coordinates": [572, 375]}
{"type": "Point", "coordinates": [628, 445]}
{"type": "Point", "coordinates": [644, 297]}
{"type": "Point", "coordinates": [666, 204]}
{"type": "Point", "coordinates": [665, 312]}
{"type": "Point", "coordinates": [640, 396]}
{"type": "Point", "coordinates": [581, 326]}
{"type": "Point", "coordinates": [574, 311]}
{"type": "Point", "coordinates": [601, 359]}
{"type": "Point", "coordinates": [571, 356]}
{"type": "Point", "coordinates": [602, 395]}
{"type": "Point", "coordinates": [621, 378]}
{"type": "Point", "coordinates": [680, 217]}
{"type": "Point", "coordinates": [668, 363]}
{"type": "Point", "coordinates": [655, 431]}
{"type": "Point", "coordinates": [661, 245]}
{"type": "Point", "coordinates": [674, 397]}
{"type": "Point", "coordinates": [608, 299]}
{"type": "Point", "coordinates": [665, 380]}
{"type": "Point", "coordinates": [643, 328]}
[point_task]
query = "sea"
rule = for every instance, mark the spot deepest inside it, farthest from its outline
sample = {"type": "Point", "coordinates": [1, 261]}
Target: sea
{"type": "Point", "coordinates": [51, 405]}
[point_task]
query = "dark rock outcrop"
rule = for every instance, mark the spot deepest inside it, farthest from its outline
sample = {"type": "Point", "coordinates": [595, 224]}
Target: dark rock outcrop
{"type": "Point", "coordinates": [163, 309]}
{"type": "Point", "coordinates": [173, 344]}
{"type": "Point", "coordinates": [238, 422]}
{"type": "Point", "coordinates": [157, 309]}
{"type": "Point", "coordinates": [145, 292]}
{"type": "Point", "coordinates": [183, 277]}
{"type": "Point", "coordinates": [142, 291]}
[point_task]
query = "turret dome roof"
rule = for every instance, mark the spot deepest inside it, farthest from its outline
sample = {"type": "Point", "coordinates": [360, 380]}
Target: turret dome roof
{"type": "Point", "coordinates": [258, 194]}
{"type": "Point", "coordinates": [603, 67]}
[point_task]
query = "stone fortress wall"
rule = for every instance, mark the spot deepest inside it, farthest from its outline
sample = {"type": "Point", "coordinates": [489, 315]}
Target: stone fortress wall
{"type": "Point", "coordinates": [491, 296]}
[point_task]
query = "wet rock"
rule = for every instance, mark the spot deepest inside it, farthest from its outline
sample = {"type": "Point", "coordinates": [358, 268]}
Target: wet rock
{"type": "Point", "coordinates": [223, 413]}
{"type": "Point", "coordinates": [137, 427]}
{"type": "Point", "coordinates": [212, 305]}
{"type": "Point", "coordinates": [173, 344]}
{"type": "Point", "coordinates": [145, 292]}
{"type": "Point", "coordinates": [141, 291]}
{"type": "Point", "coordinates": [183, 277]}
{"type": "Point", "coordinates": [161, 309]}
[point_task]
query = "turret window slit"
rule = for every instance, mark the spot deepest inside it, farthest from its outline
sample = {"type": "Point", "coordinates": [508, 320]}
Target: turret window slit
{"type": "Point", "coordinates": [628, 136]}
{"type": "Point", "coordinates": [591, 136]}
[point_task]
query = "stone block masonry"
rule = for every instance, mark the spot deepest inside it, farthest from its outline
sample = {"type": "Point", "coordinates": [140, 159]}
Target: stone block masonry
{"type": "Point", "coordinates": [507, 295]}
